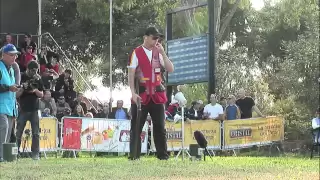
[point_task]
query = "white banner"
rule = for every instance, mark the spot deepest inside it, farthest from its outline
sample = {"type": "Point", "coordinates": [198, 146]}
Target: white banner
{"type": "Point", "coordinates": [108, 135]}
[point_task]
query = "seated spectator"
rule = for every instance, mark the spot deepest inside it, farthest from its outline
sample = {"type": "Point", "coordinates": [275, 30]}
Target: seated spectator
{"type": "Point", "coordinates": [232, 111]}
{"type": "Point", "coordinates": [78, 111]}
{"type": "Point", "coordinates": [213, 110]}
{"type": "Point", "coordinates": [172, 110]}
{"type": "Point", "coordinates": [193, 113]}
{"type": "Point", "coordinates": [26, 58]}
{"type": "Point", "coordinates": [89, 115]}
{"type": "Point", "coordinates": [46, 113]}
{"type": "Point", "coordinates": [103, 111]}
{"type": "Point", "coordinates": [28, 42]}
{"type": "Point", "coordinates": [79, 101]}
{"type": "Point", "coordinates": [119, 112]}
{"type": "Point", "coordinates": [61, 106]}
{"type": "Point", "coordinates": [46, 54]}
{"type": "Point", "coordinates": [64, 85]}
{"type": "Point", "coordinates": [47, 102]}
{"type": "Point", "coordinates": [52, 64]}
{"type": "Point", "coordinates": [48, 76]}
{"type": "Point", "coordinates": [94, 107]}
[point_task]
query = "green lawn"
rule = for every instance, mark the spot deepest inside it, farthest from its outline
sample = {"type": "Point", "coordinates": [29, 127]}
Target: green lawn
{"type": "Point", "coordinates": [149, 168]}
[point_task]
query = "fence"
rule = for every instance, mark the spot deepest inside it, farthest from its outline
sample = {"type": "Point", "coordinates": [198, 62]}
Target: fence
{"type": "Point", "coordinates": [102, 135]}
{"type": "Point", "coordinates": [110, 135]}
{"type": "Point", "coordinates": [48, 136]}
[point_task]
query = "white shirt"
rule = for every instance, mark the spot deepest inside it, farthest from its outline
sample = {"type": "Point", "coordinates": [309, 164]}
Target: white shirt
{"type": "Point", "coordinates": [213, 110]}
{"type": "Point", "coordinates": [134, 60]}
{"type": "Point", "coordinates": [315, 123]}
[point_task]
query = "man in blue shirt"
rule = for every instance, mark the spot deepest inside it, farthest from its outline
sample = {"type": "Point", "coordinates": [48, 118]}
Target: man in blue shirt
{"type": "Point", "coordinates": [8, 89]}
{"type": "Point", "coordinates": [119, 112]}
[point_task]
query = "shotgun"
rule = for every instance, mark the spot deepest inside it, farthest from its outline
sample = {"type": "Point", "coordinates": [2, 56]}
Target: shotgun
{"type": "Point", "coordinates": [137, 140]}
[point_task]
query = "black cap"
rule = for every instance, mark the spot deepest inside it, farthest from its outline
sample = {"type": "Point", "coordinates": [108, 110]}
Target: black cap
{"type": "Point", "coordinates": [153, 31]}
{"type": "Point", "coordinates": [33, 65]}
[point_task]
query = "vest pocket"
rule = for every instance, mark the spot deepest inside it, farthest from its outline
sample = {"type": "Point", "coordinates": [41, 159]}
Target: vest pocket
{"type": "Point", "coordinates": [160, 97]}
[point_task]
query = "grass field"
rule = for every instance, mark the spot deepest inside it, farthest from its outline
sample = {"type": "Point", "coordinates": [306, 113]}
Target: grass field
{"type": "Point", "coordinates": [260, 168]}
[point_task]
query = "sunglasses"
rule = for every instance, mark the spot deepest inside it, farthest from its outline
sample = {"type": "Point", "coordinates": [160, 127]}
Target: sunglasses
{"type": "Point", "coordinates": [155, 37]}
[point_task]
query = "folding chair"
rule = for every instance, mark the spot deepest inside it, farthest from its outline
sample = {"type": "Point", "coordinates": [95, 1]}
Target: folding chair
{"type": "Point", "coordinates": [315, 141]}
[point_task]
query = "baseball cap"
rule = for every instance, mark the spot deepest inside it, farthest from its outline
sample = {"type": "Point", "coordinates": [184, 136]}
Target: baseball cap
{"type": "Point", "coordinates": [153, 31]}
{"type": "Point", "coordinates": [10, 48]}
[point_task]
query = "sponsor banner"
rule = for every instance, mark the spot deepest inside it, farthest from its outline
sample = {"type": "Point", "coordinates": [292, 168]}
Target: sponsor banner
{"type": "Point", "coordinates": [107, 135]}
{"type": "Point", "coordinates": [71, 133]}
{"type": "Point", "coordinates": [48, 135]}
{"type": "Point", "coordinates": [210, 129]}
{"type": "Point", "coordinates": [249, 132]}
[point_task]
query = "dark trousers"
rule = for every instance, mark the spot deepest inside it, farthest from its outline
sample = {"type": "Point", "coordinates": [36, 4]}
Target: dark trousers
{"type": "Point", "coordinates": [158, 120]}
{"type": "Point", "coordinates": [21, 124]}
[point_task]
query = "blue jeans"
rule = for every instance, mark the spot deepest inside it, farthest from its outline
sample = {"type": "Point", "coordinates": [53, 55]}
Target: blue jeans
{"type": "Point", "coordinates": [21, 124]}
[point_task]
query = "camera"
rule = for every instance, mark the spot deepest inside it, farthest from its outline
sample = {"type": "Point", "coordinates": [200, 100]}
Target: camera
{"type": "Point", "coordinates": [30, 85]}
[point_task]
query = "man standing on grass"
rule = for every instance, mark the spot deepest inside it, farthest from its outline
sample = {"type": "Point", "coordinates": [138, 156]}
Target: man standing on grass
{"type": "Point", "coordinates": [8, 89]}
{"type": "Point", "coordinates": [146, 66]}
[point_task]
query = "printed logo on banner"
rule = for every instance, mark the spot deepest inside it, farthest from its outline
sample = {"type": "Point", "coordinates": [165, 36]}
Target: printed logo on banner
{"type": "Point", "coordinates": [249, 132]}
{"type": "Point", "coordinates": [108, 135]}
{"type": "Point", "coordinates": [71, 131]}
{"type": "Point", "coordinates": [48, 135]}
{"type": "Point", "coordinates": [210, 129]}
{"type": "Point", "coordinates": [125, 136]}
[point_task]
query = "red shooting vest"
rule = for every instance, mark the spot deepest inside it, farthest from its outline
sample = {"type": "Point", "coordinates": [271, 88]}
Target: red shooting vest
{"type": "Point", "coordinates": [150, 77]}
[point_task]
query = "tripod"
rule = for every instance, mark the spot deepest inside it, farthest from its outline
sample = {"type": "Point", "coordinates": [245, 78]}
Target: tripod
{"type": "Point", "coordinates": [182, 150]}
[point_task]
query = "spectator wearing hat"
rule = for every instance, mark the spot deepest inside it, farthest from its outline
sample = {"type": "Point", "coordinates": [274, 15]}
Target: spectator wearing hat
{"type": "Point", "coordinates": [8, 89]}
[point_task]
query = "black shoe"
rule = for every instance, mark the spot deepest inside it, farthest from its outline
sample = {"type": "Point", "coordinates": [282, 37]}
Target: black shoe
{"type": "Point", "coordinates": [133, 159]}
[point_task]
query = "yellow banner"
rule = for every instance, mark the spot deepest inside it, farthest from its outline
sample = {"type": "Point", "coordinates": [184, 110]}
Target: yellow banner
{"type": "Point", "coordinates": [249, 132]}
{"type": "Point", "coordinates": [48, 135]}
{"type": "Point", "coordinates": [209, 128]}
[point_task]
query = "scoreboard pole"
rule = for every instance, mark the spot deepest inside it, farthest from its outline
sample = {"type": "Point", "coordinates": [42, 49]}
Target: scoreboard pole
{"type": "Point", "coordinates": [211, 50]}
{"type": "Point", "coordinates": [168, 38]}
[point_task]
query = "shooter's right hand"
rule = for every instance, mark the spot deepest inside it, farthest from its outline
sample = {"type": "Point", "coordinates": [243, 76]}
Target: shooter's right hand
{"type": "Point", "coordinates": [135, 97]}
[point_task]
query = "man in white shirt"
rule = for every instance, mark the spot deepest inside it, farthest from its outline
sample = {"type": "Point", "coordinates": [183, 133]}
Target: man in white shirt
{"type": "Point", "coordinates": [316, 124]}
{"type": "Point", "coordinates": [213, 110]}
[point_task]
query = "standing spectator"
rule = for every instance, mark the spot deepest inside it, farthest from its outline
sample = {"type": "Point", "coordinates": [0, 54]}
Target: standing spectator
{"type": "Point", "coordinates": [28, 42]}
{"type": "Point", "coordinates": [232, 111]}
{"type": "Point", "coordinates": [8, 40]}
{"type": "Point", "coordinates": [246, 105]}
{"type": "Point", "coordinates": [213, 110]}
{"type": "Point", "coordinates": [223, 102]}
{"type": "Point", "coordinates": [8, 91]}
{"type": "Point", "coordinates": [316, 125]}
{"type": "Point", "coordinates": [193, 113]}
{"type": "Point", "coordinates": [119, 112]}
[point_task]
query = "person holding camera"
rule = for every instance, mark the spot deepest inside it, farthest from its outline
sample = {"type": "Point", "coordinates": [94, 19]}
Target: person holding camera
{"type": "Point", "coordinates": [8, 89]}
{"type": "Point", "coordinates": [29, 94]}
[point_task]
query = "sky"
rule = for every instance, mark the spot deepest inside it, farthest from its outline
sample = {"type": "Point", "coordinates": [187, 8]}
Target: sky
{"type": "Point", "coordinates": [103, 93]}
